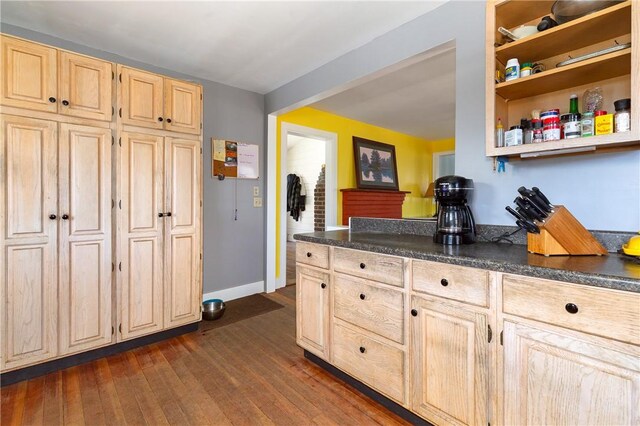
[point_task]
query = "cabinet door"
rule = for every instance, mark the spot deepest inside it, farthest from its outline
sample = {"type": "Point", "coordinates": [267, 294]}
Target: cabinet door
{"type": "Point", "coordinates": [85, 86]}
{"type": "Point", "coordinates": [182, 247]}
{"type": "Point", "coordinates": [28, 235]}
{"type": "Point", "coordinates": [551, 378]}
{"type": "Point", "coordinates": [182, 106]}
{"type": "Point", "coordinates": [28, 75]}
{"type": "Point", "coordinates": [450, 357]}
{"type": "Point", "coordinates": [141, 235]}
{"type": "Point", "coordinates": [312, 311]}
{"type": "Point", "coordinates": [85, 237]}
{"type": "Point", "coordinates": [141, 98]}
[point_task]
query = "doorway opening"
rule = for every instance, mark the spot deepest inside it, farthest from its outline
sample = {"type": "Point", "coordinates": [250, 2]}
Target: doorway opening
{"type": "Point", "coordinates": [308, 189]}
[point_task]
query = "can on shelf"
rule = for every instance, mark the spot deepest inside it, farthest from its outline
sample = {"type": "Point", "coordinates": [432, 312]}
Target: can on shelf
{"type": "Point", "coordinates": [551, 130]}
{"type": "Point", "coordinates": [570, 126]}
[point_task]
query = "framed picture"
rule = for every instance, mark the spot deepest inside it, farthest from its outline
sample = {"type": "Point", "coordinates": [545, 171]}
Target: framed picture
{"type": "Point", "coordinates": [375, 164]}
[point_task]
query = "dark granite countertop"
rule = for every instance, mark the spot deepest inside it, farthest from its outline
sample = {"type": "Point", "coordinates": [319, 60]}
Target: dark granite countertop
{"type": "Point", "coordinates": [613, 271]}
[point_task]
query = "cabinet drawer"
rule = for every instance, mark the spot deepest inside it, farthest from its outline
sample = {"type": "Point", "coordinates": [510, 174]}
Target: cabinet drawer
{"type": "Point", "coordinates": [604, 312]}
{"type": "Point", "coordinates": [379, 310]}
{"type": "Point", "coordinates": [379, 365]}
{"type": "Point", "coordinates": [312, 254]}
{"type": "Point", "coordinates": [378, 267]}
{"type": "Point", "coordinates": [469, 285]}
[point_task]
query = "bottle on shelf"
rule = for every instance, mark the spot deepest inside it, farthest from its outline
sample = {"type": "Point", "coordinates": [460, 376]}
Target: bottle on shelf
{"type": "Point", "coordinates": [573, 104]}
{"type": "Point", "coordinates": [499, 134]}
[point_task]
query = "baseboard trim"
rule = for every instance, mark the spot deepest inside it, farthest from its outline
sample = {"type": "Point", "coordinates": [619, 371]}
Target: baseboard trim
{"type": "Point", "coordinates": [27, 373]}
{"type": "Point", "coordinates": [390, 405]}
{"type": "Point", "coordinates": [235, 292]}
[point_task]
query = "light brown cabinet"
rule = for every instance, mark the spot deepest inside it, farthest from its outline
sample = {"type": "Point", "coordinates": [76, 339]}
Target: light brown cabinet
{"type": "Point", "coordinates": [615, 73]}
{"type": "Point", "coordinates": [100, 228]}
{"type": "Point", "coordinates": [312, 308]}
{"type": "Point", "coordinates": [42, 78]}
{"type": "Point", "coordinates": [156, 102]}
{"type": "Point", "coordinates": [29, 75]}
{"type": "Point", "coordinates": [57, 240]}
{"type": "Point", "coordinates": [552, 377]}
{"type": "Point", "coordinates": [581, 342]}
{"type": "Point", "coordinates": [159, 238]}
{"type": "Point", "coordinates": [466, 346]}
{"type": "Point", "coordinates": [450, 369]}
{"type": "Point", "coordinates": [85, 87]}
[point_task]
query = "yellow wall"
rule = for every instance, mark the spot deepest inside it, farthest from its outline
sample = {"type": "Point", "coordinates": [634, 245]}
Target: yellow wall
{"type": "Point", "coordinates": [413, 156]}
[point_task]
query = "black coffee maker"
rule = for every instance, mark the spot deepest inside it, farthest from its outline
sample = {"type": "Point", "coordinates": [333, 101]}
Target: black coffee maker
{"type": "Point", "coordinates": [455, 220]}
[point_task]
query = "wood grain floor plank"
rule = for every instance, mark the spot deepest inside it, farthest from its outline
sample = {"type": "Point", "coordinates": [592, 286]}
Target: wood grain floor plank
{"type": "Point", "coordinates": [113, 412]}
{"type": "Point", "coordinates": [53, 403]}
{"type": "Point", "coordinates": [72, 413]}
{"type": "Point", "coordinates": [149, 406]}
{"type": "Point", "coordinates": [91, 405]}
{"type": "Point", "coordinates": [125, 390]}
{"type": "Point", "coordinates": [34, 402]}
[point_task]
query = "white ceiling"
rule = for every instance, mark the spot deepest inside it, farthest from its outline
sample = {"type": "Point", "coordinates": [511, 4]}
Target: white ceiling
{"type": "Point", "coordinates": [417, 100]}
{"type": "Point", "coordinates": [254, 45]}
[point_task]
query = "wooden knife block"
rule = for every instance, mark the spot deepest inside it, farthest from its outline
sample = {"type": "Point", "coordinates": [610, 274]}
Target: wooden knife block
{"type": "Point", "coordinates": [562, 234]}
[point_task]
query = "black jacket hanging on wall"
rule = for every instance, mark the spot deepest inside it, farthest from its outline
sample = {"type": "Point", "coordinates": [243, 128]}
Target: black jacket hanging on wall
{"type": "Point", "coordinates": [296, 199]}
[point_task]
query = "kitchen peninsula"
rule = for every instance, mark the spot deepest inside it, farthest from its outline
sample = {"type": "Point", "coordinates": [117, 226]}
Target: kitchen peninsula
{"type": "Point", "coordinates": [478, 334]}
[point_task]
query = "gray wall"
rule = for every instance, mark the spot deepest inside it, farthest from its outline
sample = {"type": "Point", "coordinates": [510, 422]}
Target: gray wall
{"type": "Point", "coordinates": [233, 249]}
{"type": "Point", "coordinates": [593, 187]}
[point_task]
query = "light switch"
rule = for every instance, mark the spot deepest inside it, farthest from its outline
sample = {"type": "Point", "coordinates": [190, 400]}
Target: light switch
{"type": "Point", "coordinates": [256, 191]}
{"type": "Point", "coordinates": [257, 201]}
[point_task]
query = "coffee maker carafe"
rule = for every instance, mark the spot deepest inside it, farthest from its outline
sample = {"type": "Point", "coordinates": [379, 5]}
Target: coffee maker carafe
{"type": "Point", "coordinates": [455, 221]}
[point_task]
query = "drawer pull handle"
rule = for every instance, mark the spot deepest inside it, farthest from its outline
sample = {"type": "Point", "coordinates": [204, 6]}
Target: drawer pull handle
{"type": "Point", "coordinates": [308, 254]}
{"type": "Point", "coordinates": [362, 266]}
{"type": "Point", "coordinates": [444, 282]}
{"type": "Point", "coordinates": [52, 100]}
{"type": "Point", "coordinates": [362, 349]}
{"type": "Point", "coordinates": [323, 285]}
{"type": "Point", "coordinates": [572, 308]}
{"type": "Point", "coordinates": [362, 296]}
{"type": "Point", "coordinates": [414, 312]}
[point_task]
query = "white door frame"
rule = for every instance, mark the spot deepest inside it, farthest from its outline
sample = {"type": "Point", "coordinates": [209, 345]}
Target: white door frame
{"type": "Point", "coordinates": [331, 185]}
{"type": "Point", "coordinates": [436, 162]}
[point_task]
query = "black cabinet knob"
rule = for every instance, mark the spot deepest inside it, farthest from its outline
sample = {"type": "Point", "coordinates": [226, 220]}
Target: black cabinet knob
{"type": "Point", "coordinates": [52, 216]}
{"type": "Point", "coordinates": [444, 282]}
{"type": "Point", "coordinates": [362, 349]}
{"type": "Point", "coordinates": [168, 214]}
{"type": "Point", "coordinates": [323, 285]}
{"type": "Point", "coordinates": [160, 214]}
{"type": "Point", "coordinates": [65, 216]}
{"type": "Point", "coordinates": [52, 100]}
{"type": "Point", "coordinates": [65, 102]}
{"type": "Point", "coordinates": [159, 118]}
{"type": "Point", "coordinates": [414, 313]}
{"type": "Point", "coordinates": [572, 308]}
{"type": "Point", "coordinates": [308, 254]}
{"type": "Point", "coordinates": [362, 296]}
{"type": "Point", "coordinates": [168, 120]}
{"type": "Point", "coordinates": [362, 266]}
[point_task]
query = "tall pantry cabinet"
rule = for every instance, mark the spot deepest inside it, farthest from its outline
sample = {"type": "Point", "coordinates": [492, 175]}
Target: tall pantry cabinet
{"type": "Point", "coordinates": [100, 221]}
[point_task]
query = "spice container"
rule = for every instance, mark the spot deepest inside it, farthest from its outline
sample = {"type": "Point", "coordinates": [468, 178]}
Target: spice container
{"type": "Point", "coordinates": [512, 70]}
{"type": "Point", "coordinates": [513, 136]}
{"type": "Point", "coordinates": [570, 126]}
{"type": "Point", "coordinates": [603, 123]}
{"type": "Point", "coordinates": [623, 115]}
{"type": "Point", "coordinates": [586, 124]}
{"type": "Point", "coordinates": [551, 129]}
{"type": "Point", "coordinates": [537, 131]}
{"type": "Point", "coordinates": [552, 113]}
{"type": "Point", "coordinates": [525, 71]}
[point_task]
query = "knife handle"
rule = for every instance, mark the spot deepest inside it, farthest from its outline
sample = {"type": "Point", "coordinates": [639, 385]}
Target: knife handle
{"type": "Point", "coordinates": [541, 195]}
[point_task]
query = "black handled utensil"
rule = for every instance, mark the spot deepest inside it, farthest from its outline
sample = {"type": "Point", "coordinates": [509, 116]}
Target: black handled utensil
{"type": "Point", "coordinates": [542, 196]}
{"type": "Point", "coordinates": [523, 222]}
{"type": "Point", "coordinates": [527, 210]}
{"type": "Point", "coordinates": [536, 201]}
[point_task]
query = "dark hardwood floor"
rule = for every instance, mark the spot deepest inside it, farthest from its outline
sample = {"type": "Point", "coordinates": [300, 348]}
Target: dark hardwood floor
{"type": "Point", "coordinates": [247, 373]}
